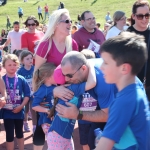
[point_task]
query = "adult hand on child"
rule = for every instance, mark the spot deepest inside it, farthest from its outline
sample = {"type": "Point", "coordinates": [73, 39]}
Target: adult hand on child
{"type": "Point", "coordinates": [70, 111]}
{"type": "Point", "coordinates": [63, 93]}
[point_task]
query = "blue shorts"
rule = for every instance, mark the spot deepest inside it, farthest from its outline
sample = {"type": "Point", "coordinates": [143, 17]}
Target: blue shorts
{"type": "Point", "coordinates": [83, 133]}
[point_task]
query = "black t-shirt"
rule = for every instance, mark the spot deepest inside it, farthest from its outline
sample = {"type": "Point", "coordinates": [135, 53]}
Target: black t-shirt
{"type": "Point", "coordinates": [146, 34]}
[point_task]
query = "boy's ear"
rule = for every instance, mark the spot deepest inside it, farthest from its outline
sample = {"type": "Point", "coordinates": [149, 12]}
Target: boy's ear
{"type": "Point", "coordinates": [126, 68]}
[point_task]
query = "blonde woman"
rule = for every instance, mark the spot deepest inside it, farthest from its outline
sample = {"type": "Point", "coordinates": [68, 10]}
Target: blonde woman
{"type": "Point", "coordinates": [52, 47]}
{"type": "Point", "coordinates": [119, 20]}
{"type": "Point", "coordinates": [57, 40]}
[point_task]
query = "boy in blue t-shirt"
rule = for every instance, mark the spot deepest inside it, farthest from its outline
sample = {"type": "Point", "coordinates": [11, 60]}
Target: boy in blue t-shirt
{"type": "Point", "coordinates": [128, 122]}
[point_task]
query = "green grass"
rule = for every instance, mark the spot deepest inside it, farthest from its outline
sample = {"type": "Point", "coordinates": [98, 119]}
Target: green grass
{"type": "Point", "coordinates": [98, 7]}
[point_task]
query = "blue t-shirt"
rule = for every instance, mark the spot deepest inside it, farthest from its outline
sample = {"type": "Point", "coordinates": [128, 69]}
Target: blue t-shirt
{"type": "Point", "coordinates": [43, 94]}
{"type": "Point", "coordinates": [28, 75]}
{"type": "Point", "coordinates": [127, 124]}
{"type": "Point", "coordinates": [22, 90]}
{"type": "Point", "coordinates": [64, 126]}
{"type": "Point", "coordinates": [102, 92]}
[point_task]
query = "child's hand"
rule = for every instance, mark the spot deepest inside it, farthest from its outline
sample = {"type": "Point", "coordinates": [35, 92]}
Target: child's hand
{"type": "Point", "coordinates": [17, 109]}
{"type": "Point", "coordinates": [43, 104]}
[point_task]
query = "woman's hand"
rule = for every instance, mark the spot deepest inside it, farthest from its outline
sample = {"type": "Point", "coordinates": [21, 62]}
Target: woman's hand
{"type": "Point", "coordinates": [2, 102]}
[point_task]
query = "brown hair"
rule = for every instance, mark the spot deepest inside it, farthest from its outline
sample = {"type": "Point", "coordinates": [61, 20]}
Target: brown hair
{"type": "Point", "coordinates": [12, 57]}
{"type": "Point", "coordinates": [46, 70]}
{"type": "Point", "coordinates": [31, 18]}
{"type": "Point", "coordinates": [25, 53]}
{"type": "Point", "coordinates": [136, 5]}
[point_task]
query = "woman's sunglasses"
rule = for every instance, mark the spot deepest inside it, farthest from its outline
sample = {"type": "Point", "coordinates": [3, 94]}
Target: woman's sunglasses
{"type": "Point", "coordinates": [32, 24]}
{"type": "Point", "coordinates": [66, 21]}
{"type": "Point", "coordinates": [141, 16]}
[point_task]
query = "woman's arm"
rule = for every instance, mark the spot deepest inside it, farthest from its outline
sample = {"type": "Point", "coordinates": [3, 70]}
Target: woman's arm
{"type": "Point", "coordinates": [91, 81]}
{"type": "Point", "coordinates": [3, 93]}
{"type": "Point", "coordinates": [38, 61]}
{"type": "Point", "coordinates": [40, 109]}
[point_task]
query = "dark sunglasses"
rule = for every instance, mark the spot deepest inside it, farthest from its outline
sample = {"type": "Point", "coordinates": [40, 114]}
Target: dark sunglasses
{"type": "Point", "coordinates": [71, 75]}
{"type": "Point", "coordinates": [66, 21]}
{"type": "Point", "coordinates": [32, 24]}
{"type": "Point", "coordinates": [141, 16]}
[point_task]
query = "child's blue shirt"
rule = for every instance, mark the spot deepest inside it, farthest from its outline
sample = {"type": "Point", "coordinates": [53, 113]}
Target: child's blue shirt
{"type": "Point", "coordinates": [43, 94]}
{"type": "Point", "coordinates": [28, 75]}
{"type": "Point", "coordinates": [64, 126]}
{"type": "Point", "coordinates": [128, 122]}
{"type": "Point", "coordinates": [22, 90]}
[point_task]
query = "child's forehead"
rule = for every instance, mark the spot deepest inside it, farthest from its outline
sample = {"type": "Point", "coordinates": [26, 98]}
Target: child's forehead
{"type": "Point", "coordinates": [106, 55]}
{"type": "Point", "coordinates": [9, 60]}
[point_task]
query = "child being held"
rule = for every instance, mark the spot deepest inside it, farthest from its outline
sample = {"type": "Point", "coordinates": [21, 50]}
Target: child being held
{"type": "Point", "coordinates": [60, 132]}
{"type": "Point", "coordinates": [45, 81]}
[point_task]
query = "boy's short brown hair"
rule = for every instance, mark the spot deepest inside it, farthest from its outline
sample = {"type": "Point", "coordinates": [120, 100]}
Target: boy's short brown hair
{"type": "Point", "coordinates": [127, 48]}
{"type": "Point", "coordinates": [12, 57]}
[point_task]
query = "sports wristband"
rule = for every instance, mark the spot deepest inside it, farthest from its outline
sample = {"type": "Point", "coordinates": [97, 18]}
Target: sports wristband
{"type": "Point", "coordinates": [80, 115]}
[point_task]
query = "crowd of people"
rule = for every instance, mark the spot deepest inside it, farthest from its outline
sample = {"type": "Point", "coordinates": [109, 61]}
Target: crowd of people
{"type": "Point", "coordinates": [67, 72]}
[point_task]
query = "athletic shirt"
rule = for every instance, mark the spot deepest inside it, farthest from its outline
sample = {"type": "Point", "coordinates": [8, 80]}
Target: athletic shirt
{"type": "Point", "coordinates": [28, 40]}
{"type": "Point", "coordinates": [53, 55]}
{"type": "Point", "coordinates": [128, 123]}
{"type": "Point", "coordinates": [102, 92]}
{"type": "Point", "coordinates": [43, 94]}
{"type": "Point", "coordinates": [22, 90]}
{"type": "Point", "coordinates": [146, 34]}
{"type": "Point", "coordinates": [65, 126]}
{"type": "Point", "coordinates": [28, 75]}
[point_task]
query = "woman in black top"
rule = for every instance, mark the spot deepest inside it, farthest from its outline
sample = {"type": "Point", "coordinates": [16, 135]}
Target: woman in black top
{"type": "Point", "coordinates": [140, 25]}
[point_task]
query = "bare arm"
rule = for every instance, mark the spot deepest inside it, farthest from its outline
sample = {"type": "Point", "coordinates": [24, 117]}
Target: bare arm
{"type": "Point", "coordinates": [19, 108]}
{"type": "Point", "coordinates": [40, 109]}
{"type": "Point", "coordinates": [91, 81]}
{"type": "Point", "coordinates": [3, 93]}
{"type": "Point", "coordinates": [2, 87]}
{"type": "Point", "coordinates": [39, 61]}
{"type": "Point", "coordinates": [105, 144]}
{"type": "Point", "coordinates": [72, 112]}
{"type": "Point", "coordinates": [96, 116]}
{"type": "Point", "coordinates": [5, 44]}
{"type": "Point", "coordinates": [63, 93]}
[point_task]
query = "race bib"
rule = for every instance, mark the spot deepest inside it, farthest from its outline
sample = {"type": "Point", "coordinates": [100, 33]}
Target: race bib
{"type": "Point", "coordinates": [16, 101]}
{"type": "Point", "coordinates": [88, 103]}
{"type": "Point", "coordinates": [94, 46]}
